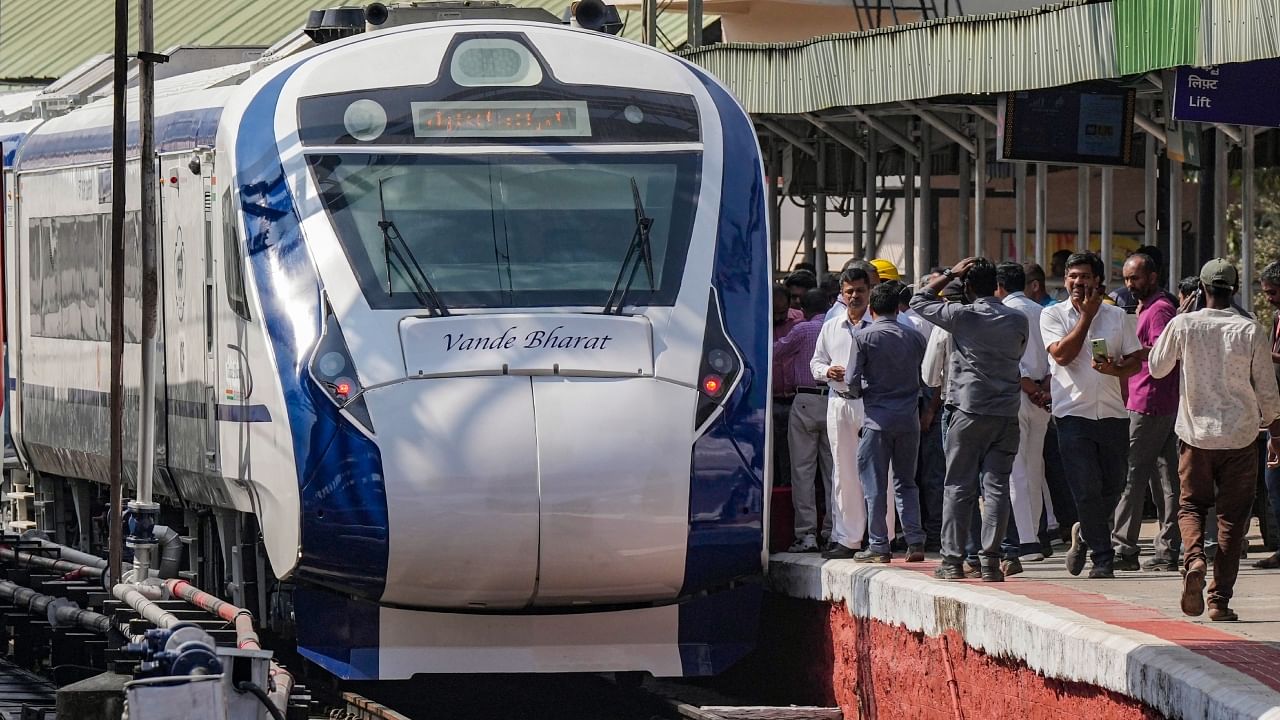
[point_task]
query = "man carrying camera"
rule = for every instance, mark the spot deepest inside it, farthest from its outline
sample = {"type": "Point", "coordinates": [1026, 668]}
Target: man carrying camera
{"type": "Point", "coordinates": [1092, 350]}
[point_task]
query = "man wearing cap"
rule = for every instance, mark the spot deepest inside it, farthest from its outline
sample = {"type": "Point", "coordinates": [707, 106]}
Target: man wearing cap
{"type": "Point", "coordinates": [1228, 389]}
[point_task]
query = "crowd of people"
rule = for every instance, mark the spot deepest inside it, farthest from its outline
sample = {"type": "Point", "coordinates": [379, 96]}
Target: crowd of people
{"type": "Point", "coordinates": [982, 418]}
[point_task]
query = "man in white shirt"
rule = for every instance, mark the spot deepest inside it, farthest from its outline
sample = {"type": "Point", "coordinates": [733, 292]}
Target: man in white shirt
{"type": "Point", "coordinates": [841, 306]}
{"type": "Point", "coordinates": [1093, 348]}
{"type": "Point", "coordinates": [1227, 390]}
{"type": "Point", "coordinates": [1027, 488]}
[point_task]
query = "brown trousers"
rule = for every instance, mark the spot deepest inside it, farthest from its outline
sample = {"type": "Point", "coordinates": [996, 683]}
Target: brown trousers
{"type": "Point", "coordinates": [1228, 479]}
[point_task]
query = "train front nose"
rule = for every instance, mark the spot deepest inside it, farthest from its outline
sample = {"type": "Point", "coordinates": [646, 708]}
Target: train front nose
{"type": "Point", "coordinates": [515, 490]}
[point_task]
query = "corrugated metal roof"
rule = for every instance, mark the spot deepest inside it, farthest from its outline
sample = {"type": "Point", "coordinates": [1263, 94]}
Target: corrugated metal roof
{"type": "Point", "coordinates": [1156, 33]}
{"type": "Point", "coordinates": [47, 38]}
{"type": "Point", "coordinates": [1044, 47]}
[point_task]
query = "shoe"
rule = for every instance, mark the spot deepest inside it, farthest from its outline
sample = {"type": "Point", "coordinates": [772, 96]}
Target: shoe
{"type": "Point", "coordinates": [1102, 572]}
{"type": "Point", "coordinates": [972, 571]}
{"type": "Point", "coordinates": [831, 545]}
{"type": "Point", "coordinates": [839, 552]}
{"type": "Point", "coordinates": [915, 553]}
{"type": "Point", "coordinates": [991, 573]}
{"type": "Point", "coordinates": [1012, 566]}
{"type": "Point", "coordinates": [947, 571]}
{"type": "Point", "coordinates": [1075, 556]}
{"type": "Point", "coordinates": [1126, 562]}
{"type": "Point", "coordinates": [1159, 565]}
{"type": "Point", "coordinates": [1244, 550]}
{"type": "Point", "coordinates": [871, 557]}
{"type": "Point", "coordinates": [1270, 562]}
{"type": "Point", "coordinates": [806, 544]}
{"type": "Point", "coordinates": [1193, 589]}
{"type": "Point", "coordinates": [1032, 557]}
{"type": "Point", "coordinates": [1222, 613]}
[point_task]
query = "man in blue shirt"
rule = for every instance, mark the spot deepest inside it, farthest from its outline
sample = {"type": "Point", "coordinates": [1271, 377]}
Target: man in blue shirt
{"type": "Point", "coordinates": [885, 370]}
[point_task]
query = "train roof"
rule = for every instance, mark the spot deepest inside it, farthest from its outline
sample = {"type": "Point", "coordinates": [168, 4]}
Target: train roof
{"type": "Point", "coordinates": [187, 108]}
{"type": "Point", "coordinates": [11, 136]}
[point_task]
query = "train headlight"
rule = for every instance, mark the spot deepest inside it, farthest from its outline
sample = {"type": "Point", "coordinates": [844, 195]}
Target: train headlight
{"type": "Point", "coordinates": [494, 61]}
{"type": "Point", "coordinates": [333, 370]}
{"type": "Point", "coordinates": [365, 120]}
{"type": "Point", "coordinates": [720, 369]}
{"type": "Point", "coordinates": [331, 364]}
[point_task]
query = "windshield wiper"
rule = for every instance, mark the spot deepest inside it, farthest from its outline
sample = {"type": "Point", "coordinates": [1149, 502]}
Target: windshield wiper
{"type": "Point", "coordinates": [393, 243]}
{"type": "Point", "coordinates": [639, 252]}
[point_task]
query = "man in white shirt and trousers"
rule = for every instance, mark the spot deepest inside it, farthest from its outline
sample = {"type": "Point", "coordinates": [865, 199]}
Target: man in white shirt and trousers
{"type": "Point", "coordinates": [1228, 390]}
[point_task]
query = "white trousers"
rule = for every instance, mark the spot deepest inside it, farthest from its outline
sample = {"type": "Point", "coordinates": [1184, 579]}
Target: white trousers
{"type": "Point", "coordinates": [1028, 492]}
{"type": "Point", "coordinates": [849, 505]}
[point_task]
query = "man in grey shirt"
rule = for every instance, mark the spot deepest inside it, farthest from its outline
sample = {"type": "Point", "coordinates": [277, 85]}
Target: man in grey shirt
{"type": "Point", "coordinates": [984, 394]}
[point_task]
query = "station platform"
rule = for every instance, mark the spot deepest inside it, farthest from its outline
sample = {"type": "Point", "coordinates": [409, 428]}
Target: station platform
{"type": "Point", "coordinates": [1043, 644]}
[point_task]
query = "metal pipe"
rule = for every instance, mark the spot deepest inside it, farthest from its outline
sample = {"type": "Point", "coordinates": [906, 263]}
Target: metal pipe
{"type": "Point", "coordinates": [1107, 209]}
{"type": "Point", "coordinates": [1221, 178]}
{"type": "Point", "coordinates": [115, 472]}
{"type": "Point", "coordinates": [66, 553]}
{"type": "Point", "coordinates": [894, 136]}
{"type": "Point", "coordinates": [1247, 189]}
{"type": "Point", "coordinates": [1082, 208]}
{"type": "Point", "coordinates": [649, 11]}
{"type": "Point", "coordinates": [962, 220]}
{"type": "Point", "coordinates": [1150, 127]}
{"type": "Point", "coordinates": [170, 551]}
{"type": "Point", "coordinates": [64, 612]}
{"type": "Point", "coordinates": [942, 126]}
{"type": "Point", "coordinates": [246, 637]}
{"type": "Point", "coordinates": [1019, 211]}
{"type": "Point", "coordinates": [928, 253]}
{"type": "Point", "coordinates": [983, 113]}
{"type": "Point", "coordinates": [775, 211]}
{"type": "Point", "coordinates": [48, 563]}
{"type": "Point", "coordinates": [820, 234]}
{"type": "Point", "coordinates": [144, 606]}
{"type": "Point", "coordinates": [695, 23]}
{"type": "Point", "coordinates": [800, 143]}
{"type": "Point", "coordinates": [980, 192]}
{"type": "Point", "coordinates": [147, 246]}
{"type": "Point", "coordinates": [1230, 131]}
{"type": "Point", "coordinates": [909, 216]}
{"type": "Point", "coordinates": [1150, 221]}
{"type": "Point", "coordinates": [871, 245]}
{"type": "Point", "coordinates": [1042, 212]}
{"type": "Point", "coordinates": [1175, 221]}
{"type": "Point", "coordinates": [806, 237]}
{"type": "Point", "coordinates": [836, 134]}
{"type": "Point", "coordinates": [281, 687]}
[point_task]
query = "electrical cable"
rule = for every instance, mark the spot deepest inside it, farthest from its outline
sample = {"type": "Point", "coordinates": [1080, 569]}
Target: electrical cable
{"type": "Point", "coordinates": [245, 686]}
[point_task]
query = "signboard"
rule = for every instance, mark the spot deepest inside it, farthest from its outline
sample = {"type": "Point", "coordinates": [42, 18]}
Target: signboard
{"type": "Point", "coordinates": [1067, 126]}
{"type": "Point", "coordinates": [1238, 94]}
{"type": "Point", "coordinates": [529, 344]}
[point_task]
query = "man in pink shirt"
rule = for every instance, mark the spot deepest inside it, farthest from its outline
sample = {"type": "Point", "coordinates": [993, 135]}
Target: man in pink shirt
{"type": "Point", "coordinates": [785, 317]}
{"type": "Point", "coordinates": [1153, 451]}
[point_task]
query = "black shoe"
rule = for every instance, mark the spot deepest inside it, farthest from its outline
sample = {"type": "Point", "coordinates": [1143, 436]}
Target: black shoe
{"type": "Point", "coordinates": [1075, 556]}
{"type": "Point", "coordinates": [1012, 566]}
{"type": "Point", "coordinates": [972, 571]}
{"type": "Point", "coordinates": [915, 553]}
{"type": "Point", "coordinates": [1158, 565]}
{"type": "Point", "coordinates": [1046, 546]}
{"type": "Point", "coordinates": [1126, 562]}
{"type": "Point", "coordinates": [1270, 562]}
{"type": "Point", "coordinates": [840, 552]}
{"type": "Point", "coordinates": [870, 556]}
{"type": "Point", "coordinates": [947, 571]}
{"type": "Point", "coordinates": [992, 573]}
{"type": "Point", "coordinates": [1102, 572]}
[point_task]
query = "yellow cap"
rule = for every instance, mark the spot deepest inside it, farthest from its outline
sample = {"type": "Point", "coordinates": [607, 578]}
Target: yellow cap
{"type": "Point", "coordinates": [886, 269]}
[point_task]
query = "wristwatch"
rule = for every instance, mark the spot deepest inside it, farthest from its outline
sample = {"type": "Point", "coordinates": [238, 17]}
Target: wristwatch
{"type": "Point", "coordinates": [949, 273]}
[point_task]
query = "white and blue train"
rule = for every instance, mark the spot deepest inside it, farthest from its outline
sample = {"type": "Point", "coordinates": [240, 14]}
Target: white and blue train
{"type": "Point", "coordinates": [466, 321]}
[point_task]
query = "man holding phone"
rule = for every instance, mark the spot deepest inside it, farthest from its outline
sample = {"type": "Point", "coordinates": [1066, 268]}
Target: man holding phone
{"type": "Point", "coordinates": [1092, 349]}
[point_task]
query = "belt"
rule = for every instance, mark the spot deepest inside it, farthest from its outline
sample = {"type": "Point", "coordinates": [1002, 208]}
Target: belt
{"type": "Point", "coordinates": [812, 390]}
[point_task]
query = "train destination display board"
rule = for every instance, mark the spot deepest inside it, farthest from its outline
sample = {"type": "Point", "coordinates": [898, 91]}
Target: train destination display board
{"type": "Point", "coordinates": [1237, 94]}
{"type": "Point", "coordinates": [501, 119]}
{"type": "Point", "coordinates": [1067, 126]}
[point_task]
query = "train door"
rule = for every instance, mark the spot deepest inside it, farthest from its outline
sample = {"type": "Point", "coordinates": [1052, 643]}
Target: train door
{"type": "Point", "coordinates": [187, 329]}
{"type": "Point", "coordinates": [231, 310]}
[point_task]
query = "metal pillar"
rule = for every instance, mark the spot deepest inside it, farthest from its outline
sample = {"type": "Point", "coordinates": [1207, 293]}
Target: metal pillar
{"type": "Point", "coordinates": [649, 13]}
{"type": "Point", "coordinates": [806, 240]}
{"type": "Point", "coordinates": [1221, 178]}
{"type": "Point", "coordinates": [695, 23]}
{"type": "Point", "coordinates": [1108, 177]}
{"type": "Point", "coordinates": [775, 212]}
{"type": "Point", "coordinates": [871, 245]}
{"type": "Point", "coordinates": [147, 222]}
{"type": "Point", "coordinates": [928, 255]}
{"type": "Point", "coordinates": [1019, 212]}
{"type": "Point", "coordinates": [1042, 210]}
{"type": "Point", "coordinates": [820, 234]}
{"type": "Point", "coordinates": [962, 208]}
{"type": "Point", "coordinates": [1150, 216]}
{"type": "Point", "coordinates": [1246, 220]}
{"type": "Point", "coordinates": [120, 68]}
{"type": "Point", "coordinates": [1175, 221]}
{"type": "Point", "coordinates": [909, 216]}
{"type": "Point", "coordinates": [980, 191]}
{"type": "Point", "coordinates": [1082, 208]}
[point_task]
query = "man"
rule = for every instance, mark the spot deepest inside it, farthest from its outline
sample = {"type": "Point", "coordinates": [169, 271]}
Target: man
{"type": "Point", "coordinates": [784, 318]}
{"type": "Point", "coordinates": [1092, 348]}
{"type": "Point", "coordinates": [1270, 278]}
{"type": "Point", "coordinates": [1036, 290]}
{"type": "Point", "coordinates": [873, 277]}
{"type": "Point", "coordinates": [1228, 389]}
{"type": "Point", "coordinates": [1153, 453]}
{"type": "Point", "coordinates": [885, 370]}
{"type": "Point", "coordinates": [807, 425]}
{"type": "Point", "coordinates": [1027, 487]}
{"type": "Point", "coordinates": [886, 270]}
{"type": "Point", "coordinates": [983, 398]}
{"type": "Point", "coordinates": [844, 414]}
{"type": "Point", "coordinates": [797, 284]}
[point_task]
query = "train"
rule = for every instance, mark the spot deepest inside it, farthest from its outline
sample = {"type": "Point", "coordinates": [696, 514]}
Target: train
{"type": "Point", "coordinates": [463, 345]}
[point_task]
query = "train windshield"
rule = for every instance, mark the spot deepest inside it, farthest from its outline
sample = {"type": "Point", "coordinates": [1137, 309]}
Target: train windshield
{"type": "Point", "coordinates": [508, 230]}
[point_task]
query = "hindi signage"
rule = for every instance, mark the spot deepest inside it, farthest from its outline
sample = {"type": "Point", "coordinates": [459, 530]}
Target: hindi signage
{"type": "Point", "coordinates": [1237, 94]}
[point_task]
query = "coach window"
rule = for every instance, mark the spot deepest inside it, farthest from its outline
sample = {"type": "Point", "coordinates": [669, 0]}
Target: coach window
{"type": "Point", "coordinates": [232, 263]}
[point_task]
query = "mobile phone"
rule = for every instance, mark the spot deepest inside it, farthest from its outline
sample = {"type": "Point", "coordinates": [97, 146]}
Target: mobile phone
{"type": "Point", "coordinates": [1099, 349]}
